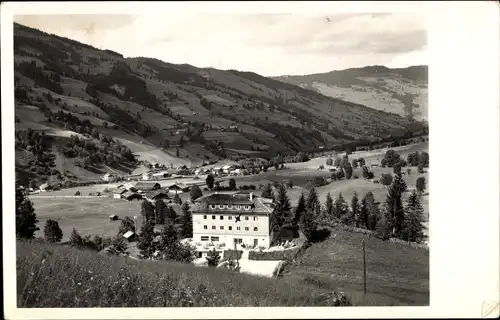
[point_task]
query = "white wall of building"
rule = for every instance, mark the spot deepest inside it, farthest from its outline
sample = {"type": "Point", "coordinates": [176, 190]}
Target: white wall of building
{"type": "Point", "coordinates": [251, 227]}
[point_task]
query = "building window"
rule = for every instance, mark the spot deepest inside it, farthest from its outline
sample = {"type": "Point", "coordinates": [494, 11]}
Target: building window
{"type": "Point", "coordinates": [255, 219]}
{"type": "Point", "coordinates": [230, 218]}
{"type": "Point", "coordinates": [213, 227]}
{"type": "Point", "coordinates": [222, 227]}
{"type": "Point", "coordinates": [213, 206]}
{"type": "Point", "coordinates": [213, 217]}
{"type": "Point", "coordinates": [255, 242]}
{"type": "Point", "coordinates": [205, 227]}
{"type": "Point", "coordinates": [204, 238]}
{"type": "Point", "coordinates": [255, 229]}
{"type": "Point", "coordinates": [214, 238]}
{"type": "Point", "coordinates": [221, 206]}
{"type": "Point", "coordinates": [222, 217]}
{"type": "Point", "coordinates": [238, 207]}
{"type": "Point", "coordinates": [238, 240]}
{"type": "Point", "coordinates": [229, 206]}
{"type": "Point", "coordinates": [247, 207]}
{"type": "Point", "coordinates": [204, 217]}
{"type": "Point", "coordinates": [246, 218]}
{"type": "Point", "coordinates": [246, 228]}
{"type": "Point", "coordinates": [238, 228]}
{"type": "Point", "coordinates": [230, 228]}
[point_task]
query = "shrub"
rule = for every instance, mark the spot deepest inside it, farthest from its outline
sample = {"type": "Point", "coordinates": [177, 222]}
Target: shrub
{"type": "Point", "coordinates": [77, 193]}
{"type": "Point", "coordinates": [386, 179]}
{"type": "Point", "coordinates": [321, 167]}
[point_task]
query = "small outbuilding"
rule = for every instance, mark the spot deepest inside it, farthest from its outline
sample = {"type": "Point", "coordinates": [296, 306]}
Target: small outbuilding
{"type": "Point", "coordinates": [130, 236]}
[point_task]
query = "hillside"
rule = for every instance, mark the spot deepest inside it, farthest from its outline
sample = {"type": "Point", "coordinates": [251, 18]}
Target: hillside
{"type": "Point", "coordinates": [78, 279]}
{"type": "Point", "coordinates": [172, 114]}
{"type": "Point", "coordinates": [402, 91]}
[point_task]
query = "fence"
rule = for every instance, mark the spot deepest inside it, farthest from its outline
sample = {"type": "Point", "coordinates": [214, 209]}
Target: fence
{"type": "Point", "coordinates": [68, 197]}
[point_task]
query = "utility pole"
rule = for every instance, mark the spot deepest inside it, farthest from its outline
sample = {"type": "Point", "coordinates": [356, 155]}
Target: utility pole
{"type": "Point", "coordinates": [364, 267]}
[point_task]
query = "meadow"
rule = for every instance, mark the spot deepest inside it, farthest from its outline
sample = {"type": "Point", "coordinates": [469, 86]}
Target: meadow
{"type": "Point", "coordinates": [76, 278]}
{"type": "Point", "coordinates": [397, 275]}
{"type": "Point", "coordinates": [92, 215]}
{"type": "Point", "coordinates": [87, 215]}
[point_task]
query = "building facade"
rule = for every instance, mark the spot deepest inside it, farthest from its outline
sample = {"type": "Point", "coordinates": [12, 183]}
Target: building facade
{"type": "Point", "coordinates": [240, 218]}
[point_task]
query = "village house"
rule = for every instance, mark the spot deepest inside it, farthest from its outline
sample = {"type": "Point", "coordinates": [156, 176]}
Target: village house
{"type": "Point", "coordinates": [156, 195]}
{"type": "Point", "coordinates": [130, 236]}
{"type": "Point", "coordinates": [108, 177]}
{"type": "Point", "coordinates": [178, 188]}
{"type": "Point", "coordinates": [117, 194]}
{"type": "Point", "coordinates": [129, 195]}
{"type": "Point", "coordinates": [44, 187]}
{"type": "Point", "coordinates": [146, 186]}
{"type": "Point", "coordinates": [229, 219]}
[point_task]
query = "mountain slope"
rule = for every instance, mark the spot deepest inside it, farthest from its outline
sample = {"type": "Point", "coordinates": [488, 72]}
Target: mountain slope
{"type": "Point", "coordinates": [175, 114]}
{"type": "Point", "coordinates": [402, 91]}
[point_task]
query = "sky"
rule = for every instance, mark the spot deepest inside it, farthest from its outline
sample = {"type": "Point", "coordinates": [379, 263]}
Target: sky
{"type": "Point", "coordinates": [270, 44]}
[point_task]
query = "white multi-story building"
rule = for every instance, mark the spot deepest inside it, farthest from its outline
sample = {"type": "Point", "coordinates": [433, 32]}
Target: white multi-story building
{"type": "Point", "coordinates": [240, 218]}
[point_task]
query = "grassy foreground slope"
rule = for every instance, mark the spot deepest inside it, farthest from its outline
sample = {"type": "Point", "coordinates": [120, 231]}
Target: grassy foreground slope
{"type": "Point", "coordinates": [397, 275]}
{"type": "Point", "coordinates": [56, 276]}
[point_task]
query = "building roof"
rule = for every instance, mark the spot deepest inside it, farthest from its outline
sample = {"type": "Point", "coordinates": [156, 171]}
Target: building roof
{"type": "Point", "coordinates": [142, 185]}
{"type": "Point", "coordinates": [130, 193]}
{"type": "Point", "coordinates": [120, 191]}
{"type": "Point", "coordinates": [178, 185]}
{"type": "Point", "coordinates": [258, 204]}
{"type": "Point", "coordinates": [155, 194]}
{"type": "Point", "coordinates": [128, 234]}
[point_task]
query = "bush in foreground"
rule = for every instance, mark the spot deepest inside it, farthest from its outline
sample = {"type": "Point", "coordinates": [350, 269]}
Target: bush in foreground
{"type": "Point", "coordinates": [81, 279]}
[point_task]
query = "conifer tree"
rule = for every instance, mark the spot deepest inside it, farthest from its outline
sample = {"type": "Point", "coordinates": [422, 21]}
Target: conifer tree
{"type": "Point", "coordinates": [171, 215]}
{"type": "Point", "coordinates": [76, 239]}
{"type": "Point", "coordinates": [308, 224]}
{"type": "Point", "coordinates": [127, 224]}
{"type": "Point", "coordinates": [147, 211]}
{"type": "Point", "coordinates": [210, 181]}
{"type": "Point", "coordinates": [312, 204]}
{"type": "Point", "coordinates": [145, 243]}
{"type": "Point", "coordinates": [267, 192]}
{"type": "Point", "coordinates": [356, 211]}
{"type": "Point", "coordinates": [187, 222]}
{"type": "Point", "coordinates": [300, 209]}
{"type": "Point", "coordinates": [369, 212]}
{"type": "Point", "coordinates": [340, 208]}
{"type": "Point", "coordinates": [26, 221]}
{"type": "Point", "coordinates": [329, 205]}
{"type": "Point", "coordinates": [413, 228]}
{"type": "Point", "coordinates": [168, 236]}
{"type": "Point", "coordinates": [195, 192]}
{"type": "Point", "coordinates": [282, 212]}
{"type": "Point", "coordinates": [420, 185]}
{"type": "Point", "coordinates": [177, 199]}
{"type": "Point", "coordinates": [394, 205]}
{"type": "Point", "coordinates": [383, 228]}
{"type": "Point", "coordinates": [160, 211]}
{"type": "Point", "coordinates": [52, 232]}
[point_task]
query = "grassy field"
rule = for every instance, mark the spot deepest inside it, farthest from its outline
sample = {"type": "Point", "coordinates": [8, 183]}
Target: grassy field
{"type": "Point", "coordinates": [396, 274]}
{"type": "Point", "coordinates": [86, 279]}
{"type": "Point", "coordinates": [88, 216]}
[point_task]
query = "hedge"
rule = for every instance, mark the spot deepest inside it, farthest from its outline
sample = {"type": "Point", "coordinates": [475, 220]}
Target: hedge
{"type": "Point", "coordinates": [273, 255]}
{"type": "Point", "coordinates": [231, 254]}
